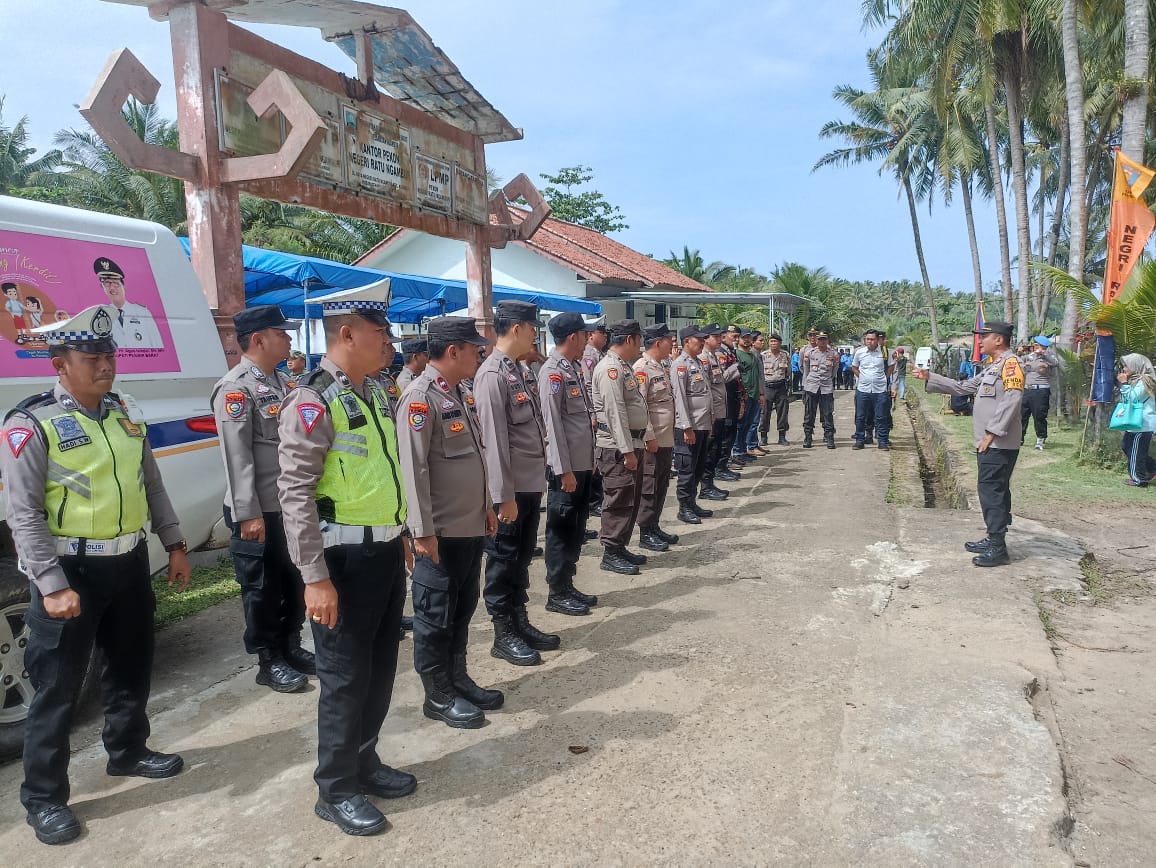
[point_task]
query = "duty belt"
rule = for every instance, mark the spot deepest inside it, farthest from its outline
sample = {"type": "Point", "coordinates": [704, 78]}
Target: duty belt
{"type": "Point", "coordinates": [334, 534]}
{"type": "Point", "coordinates": [636, 433]}
{"type": "Point", "coordinates": [100, 548]}
{"type": "Point", "coordinates": [1044, 386]}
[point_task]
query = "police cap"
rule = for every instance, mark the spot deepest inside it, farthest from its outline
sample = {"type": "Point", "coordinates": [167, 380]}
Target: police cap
{"type": "Point", "coordinates": [90, 331]}
{"type": "Point", "coordinates": [625, 328]}
{"type": "Point", "coordinates": [369, 302]}
{"type": "Point", "coordinates": [105, 267]}
{"type": "Point", "coordinates": [565, 324]}
{"type": "Point", "coordinates": [712, 328]}
{"type": "Point", "coordinates": [455, 330]}
{"type": "Point", "coordinates": [264, 316]}
{"type": "Point", "coordinates": [996, 327]}
{"type": "Point", "coordinates": [413, 346]}
{"type": "Point", "coordinates": [691, 331]}
{"type": "Point", "coordinates": [517, 311]}
{"type": "Point", "coordinates": [656, 332]}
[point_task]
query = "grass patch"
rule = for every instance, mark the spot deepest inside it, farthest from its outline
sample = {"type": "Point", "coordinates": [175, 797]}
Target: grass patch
{"type": "Point", "coordinates": [209, 585]}
{"type": "Point", "coordinates": [1094, 578]}
{"type": "Point", "coordinates": [1050, 630]}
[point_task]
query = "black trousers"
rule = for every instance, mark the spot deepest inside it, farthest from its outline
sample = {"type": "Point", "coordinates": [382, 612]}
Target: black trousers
{"type": "Point", "coordinates": [116, 614]}
{"type": "Point", "coordinates": [357, 662]}
{"type": "Point", "coordinates": [595, 491]}
{"type": "Point", "coordinates": [445, 597]}
{"type": "Point", "coordinates": [778, 402]}
{"type": "Point", "coordinates": [825, 406]}
{"type": "Point", "coordinates": [508, 556]}
{"type": "Point", "coordinates": [566, 515]}
{"type": "Point", "coordinates": [717, 450]}
{"type": "Point", "coordinates": [622, 492]}
{"type": "Point", "coordinates": [995, 470]}
{"type": "Point", "coordinates": [690, 459]}
{"type": "Point", "coordinates": [655, 485]}
{"type": "Point", "coordinates": [272, 593]}
{"type": "Point", "coordinates": [1035, 407]}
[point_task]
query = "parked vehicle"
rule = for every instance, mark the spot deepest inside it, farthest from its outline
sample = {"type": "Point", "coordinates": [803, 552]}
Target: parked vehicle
{"type": "Point", "coordinates": [59, 261]}
{"type": "Point", "coordinates": [924, 357]}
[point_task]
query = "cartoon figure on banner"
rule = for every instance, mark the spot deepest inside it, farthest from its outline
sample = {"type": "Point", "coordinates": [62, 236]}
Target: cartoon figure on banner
{"type": "Point", "coordinates": [134, 326]}
{"type": "Point", "coordinates": [15, 309]}
{"type": "Point", "coordinates": [26, 312]}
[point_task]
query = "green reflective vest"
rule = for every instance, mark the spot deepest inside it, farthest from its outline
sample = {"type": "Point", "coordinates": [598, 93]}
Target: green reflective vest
{"type": "Point", "coordinates": [361, 480]}
{"type": "Point", "coordinates": [95, 486]}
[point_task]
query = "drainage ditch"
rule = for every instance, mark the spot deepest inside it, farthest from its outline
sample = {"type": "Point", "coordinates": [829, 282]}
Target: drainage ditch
{"type": "Point", "coordinates": [936, 476]}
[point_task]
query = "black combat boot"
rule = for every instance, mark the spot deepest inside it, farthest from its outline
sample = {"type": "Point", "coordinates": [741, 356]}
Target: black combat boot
{"type": "Point", "coordinates": [762, 439]}
{"type": "Point", "coordinates": [668, 538]}
{"type": "Point", "coordinates": [442, 702]}
{"type": "Point", "coordinates": [565, 604]}
{"type": "Point", "coordinates": [701, 511]}
{"type": "Point", "coordinates": [614, 562]}
{"type": "Point", "coordinates": [829, 439]}
{"type": "Point", "coordinates": [727, 475]}
{"type": "Point", "coordinates": [275, 673]}
{"type": "Point", "coordinates": [487, 700]}
{"type": "Point", "coordinates": [297, 657]}
{"type": "Point", "coordinates": [995, 556]}
{"type": "Point", "coordinates": [637, 560]}
{"type": "Point", "coordinates": [685, 513]}
{"type": "Point", "coordinates": [650, 540]}
{"type": "Point", "coordinates": [534, 637]}
{"type": "Point", "coordinates": [807, 444]}
{"type": "Point", "coordinates": [783, 441]}
{"type": "Point", "coordinates": [712, 493]}
{"type": "Point", "coordinates": [509, 644]}
{"type": "Point", "coordinates": [589, 600]}
{"type": "Point", "coordinates": [979, 546]}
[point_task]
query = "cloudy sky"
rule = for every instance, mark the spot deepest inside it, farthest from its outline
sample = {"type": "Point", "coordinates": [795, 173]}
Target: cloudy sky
{"type": "Point", "coordinates": [700, 119]}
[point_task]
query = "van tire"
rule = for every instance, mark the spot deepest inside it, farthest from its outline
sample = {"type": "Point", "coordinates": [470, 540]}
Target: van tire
{"type": "Point", "coordinates": [14, 598]}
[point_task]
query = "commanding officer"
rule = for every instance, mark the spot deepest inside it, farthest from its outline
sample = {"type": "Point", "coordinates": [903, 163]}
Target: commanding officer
{"type": "Point", "coordinates": [246, 404]}
{"type": "Point", "coordinates": [81, 484]}
{"type": "Point", "coordinates": [776, 390]}
{"type": "Point", "coordinates": [819, 363]}
{"type": "Point", "coordinates": [622, 420]}
{"type": "Point", "coordinates": [654, 384]}
{"type": "Point", "coordinates": [716, 456]}
{"type": "Point", "coordinates": [344, 512]}
{"type": "Point", "coordinates": [693, 420]}
{"type": "Point", "coordinates": [133, 325]}
{"type": "Point", "coordinates": [449, 519]}
{"type": "Point", "coordinates": [998, 391]}
{"type": "Point", "coordinates": [416, 352]}
{"type": "Point", "coordinates": [570, 459]}
{"type": "Point", "coordinates": [513, 432]}
{"type": "Point", "coordinates": [1038, 365]}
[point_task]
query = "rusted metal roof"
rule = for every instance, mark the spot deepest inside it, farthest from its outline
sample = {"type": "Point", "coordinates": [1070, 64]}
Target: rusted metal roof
{"type": "Point", "coordinates": [407, 64]}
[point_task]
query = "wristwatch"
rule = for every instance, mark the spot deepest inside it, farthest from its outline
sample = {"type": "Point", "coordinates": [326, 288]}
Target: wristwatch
{"type": "Point", "coordinates": [179, 545]}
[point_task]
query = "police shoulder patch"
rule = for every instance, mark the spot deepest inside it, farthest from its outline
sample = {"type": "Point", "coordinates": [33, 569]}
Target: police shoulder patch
{"type": "Point", "coordinates": [418, 414]}
{"type": "Point", "coordinates": [1013, 375]}
{"type": "Point", "coordinates": [17, 438]}
{"type": "Point", "coordinates": [641, 377]}
{"type": "Point", "coordinates": [309, 414]}
{"type": "Point", "coordinates": [234, 404]}
{"type": "Point", "coordinates": [555, 384]}
{"type": "Point", "coordinates": [612, 373]}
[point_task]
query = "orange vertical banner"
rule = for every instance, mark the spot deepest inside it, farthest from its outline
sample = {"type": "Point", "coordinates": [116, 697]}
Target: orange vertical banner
{"type": "Point", "coordinates": [1131, 224]}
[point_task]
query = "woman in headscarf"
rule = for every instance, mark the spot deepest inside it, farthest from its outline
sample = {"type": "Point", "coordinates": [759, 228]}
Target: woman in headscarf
{"type": "Point", "coordinates": [1138, 384]}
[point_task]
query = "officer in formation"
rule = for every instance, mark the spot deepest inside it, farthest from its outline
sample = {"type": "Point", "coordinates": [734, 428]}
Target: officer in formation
{"type": "Point", "coordinates": [416, 353]}
{"type": "Point", "coordinates": [344, 511]}
{"type": "Point", "coordinates": [996, 421]}
{"type": "Point", "coordinates": [82, 484]}
{"type": "Point", "coordinates": [653, 375]}
{"type": "Point", "coordinates": [596, 338]}
{"type": "Point", "coordinates": [819, 364]}
{"type": "Point", "coordinates": [776, 390]}
{"type": "Point", "coordinates": [450, 517]}
{"type": "Point", "coordinates": [717, 458]}
{"type": "Point", "coordinates": [1038, 364]}
{"type": "Point", "coordinates": [622, 421]}
{"type": "Point", "coordinates": [693, 422]}
{"type": "Point", "coordinates": [566, 412]}
{"type": "Point", "coordinates": [246, 405]}
{"type": "Point", "coordinates": [513, 431]}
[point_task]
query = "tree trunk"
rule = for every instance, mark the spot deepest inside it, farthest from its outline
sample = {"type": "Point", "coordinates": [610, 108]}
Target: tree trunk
{"type": "Point", "coordinates": [1135, 75]}
{"type": "Point", "coordinates": [1077, 153]}
{"type": "Point", "coordinates": [1061, 191]}
{"type": "Point", "coordinates": [922, 263]}
{"type": "Point", "coordinates": [1000, 206]}
{"type": "Point", "coordinates": [965, 187]}
{"type": "Point", "coordinates": [1020, 189]}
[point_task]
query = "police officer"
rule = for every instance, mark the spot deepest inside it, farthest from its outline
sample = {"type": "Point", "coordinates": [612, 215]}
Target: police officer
{"type": "Point", "coordinates": [449, 518]}
{"type": "Point", "coordinates": [776, 390]}
{"type": "Point", "coordinates": [819, 363]}
{"type": "Point", "coordinates": [654, 385]}
{"type": "Point", "coordinates": [133, 325]}
{"type": "Point", "coordinates": [717, 457]}
{"type": "Point", "coordinates": [693, 421]}
{"type": "Point", "coordinates": [295, 365]}
{"type": "Point", "coordinates": [622, 419]}
{"type": "Point", "coordinates": [570, 458]}
{"type": "Point", "coordinates": [246, 405]}
{"type": "Point", "coordinates": [416, 352]}
{"type": "Point", "coordinates": [384, 377]}
{"type": "Point", "coordinates": [998, 391]}
{"type": "Point", "coordinates": [1038, 364]}
{"type": "Point", "coordinates": [82, 483]}
{"type": "Point", "coordinates": [344, 511]}
{"type": "Point", "coordinates": [513, 431]}
{"type": "Point", "coordinates": [596, 338]}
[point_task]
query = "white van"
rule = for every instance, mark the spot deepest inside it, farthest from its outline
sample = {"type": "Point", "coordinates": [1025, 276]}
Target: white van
{"type": "Point", "coordinates": [168, 358]}
{"type": "Point", "coordinates": [923, 358]}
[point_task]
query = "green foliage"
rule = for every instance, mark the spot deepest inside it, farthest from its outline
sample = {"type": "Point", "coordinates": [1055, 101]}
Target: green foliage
{"type": "Point", "coordinates": [18, 169]}
{"type": "Point", "coordinates": [585, 207]}
{"type": "Point", "coordinates": [207, 587]}
{"type": "Point", "coordinates": [1131, 318]}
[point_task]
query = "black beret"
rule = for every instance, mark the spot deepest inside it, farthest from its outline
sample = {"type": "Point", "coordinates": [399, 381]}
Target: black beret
{"type": "Point", "coordinates": [455, 330]}
{"type": "Point", "coordinates": [565, 324]}
{"type": "Point", "coordinates": [264, 316]}
{"type": "Point", "coordinates": [518, 311]}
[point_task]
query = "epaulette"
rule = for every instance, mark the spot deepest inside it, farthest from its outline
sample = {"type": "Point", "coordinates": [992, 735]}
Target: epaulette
{"type": "Point", "coordinates": [35, 402]}
{"type": "Point", "coordinates": [319, 380]}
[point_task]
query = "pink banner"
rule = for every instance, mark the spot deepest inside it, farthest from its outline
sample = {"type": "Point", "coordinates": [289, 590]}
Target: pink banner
{"type": "Point", "coordinates": [46, 279]}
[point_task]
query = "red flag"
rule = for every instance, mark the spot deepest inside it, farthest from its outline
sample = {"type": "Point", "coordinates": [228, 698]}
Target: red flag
{"type": "Point", "coordinates": [976, 355]}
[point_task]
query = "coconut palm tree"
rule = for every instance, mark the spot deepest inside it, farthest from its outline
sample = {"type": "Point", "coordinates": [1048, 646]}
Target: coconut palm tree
{"type": "Point", "coordinates": [1136, 52]}
{"type": "Point", "coordinates": [18, 169]}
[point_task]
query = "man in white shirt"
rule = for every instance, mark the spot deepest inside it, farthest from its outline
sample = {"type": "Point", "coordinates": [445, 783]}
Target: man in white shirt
{"type": "Point", "coordinates": [133, 326]}
{"type": "Point", "coordinates": [872, 395]}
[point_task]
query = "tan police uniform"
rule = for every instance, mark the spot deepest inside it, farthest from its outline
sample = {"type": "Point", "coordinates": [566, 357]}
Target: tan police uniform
{"type": "Point", "coordinates": [777, 391]}
{"type": "Point", "coordinates": [622, 418]}
{"type": "Point", "coordinates": [693, 411]}
{"type": "Point", "coordinates": [655, 387]}
{"type": "Point", "coordinates": [1037, 400]}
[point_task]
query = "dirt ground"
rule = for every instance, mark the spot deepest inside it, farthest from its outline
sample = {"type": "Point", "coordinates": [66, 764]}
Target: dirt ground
{"type": "Point", "coordinates": [815, 676]}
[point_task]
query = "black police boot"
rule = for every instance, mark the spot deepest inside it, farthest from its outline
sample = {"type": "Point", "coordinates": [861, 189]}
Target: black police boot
{"type": "Point", "coordinates": [150, 764]}
{"type": "Point", "coordinates": [762, 439]}
{"type": "Point", "coordinates": [727, 475]}
{"type": "Point", "coordinates": [590, 534]}
{"type": "Point", "coordinates": [830, 441]}
{"type": "Point", "coordinates": [712, 493]}
{"type": "Point", "coordinates": [55, 825]}
{"type": "Point", "coordinates": [275, 673]}
{"type": "Point", "coordinates": [979, 546]}
{"type": "Point", "coordinates": [353, 816]}
{"type": "Point", "coordinates": [700, 511]}
{"type": "Point", "coordinates": [648, 539]}
{"type": "Point", "coordinates": [407, 623]}
{"type": "Point", "coordinates": [995, 556]}
{"type": "Point", "coordinates": [466, 687]}
{"type": "Point", "coordinates": [668, 538]}
{"type": "Point", "coordinates": [858, 444]}
{"type": "Point", "coordinates": [442, 703]}
{"type": "Point", "coordinates": [783, 441]}
{"type": "Point", "coordinates": [687, 514]}
{"type": "Point", "coordinates": [807, 444]}
{"type": "Point", "coordinates": [534, 637]}
{"type": "Point", "coordinates": [588, 600]}
{"type": "Point", "coordinates": [300, 659]}
{"type": "Point", "coordinates": [614, 562]}
{"type": "Point", "coordinates": [637, 560]}
{"type": "Point", "coordinates": [387, 783]}
{"type": "Point", "coordinates": [564, 604]}
{"type": "Point", "coordinates": [509, 644]}
{"type": "Point", "coordinates": [596, 510]}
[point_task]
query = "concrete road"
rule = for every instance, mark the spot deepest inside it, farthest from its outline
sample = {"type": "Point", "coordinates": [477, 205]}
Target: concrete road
{"type": "Point", "coordinates": [811, 677]}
